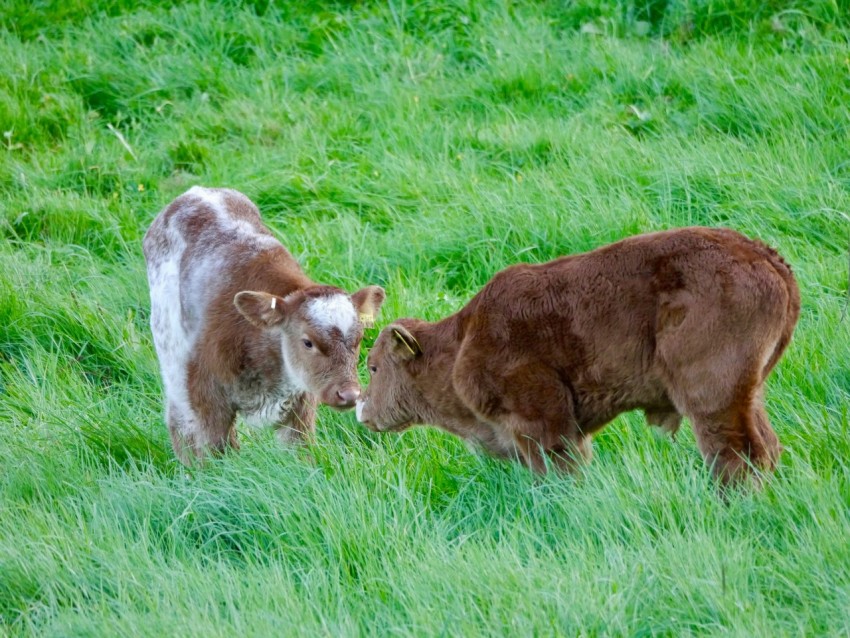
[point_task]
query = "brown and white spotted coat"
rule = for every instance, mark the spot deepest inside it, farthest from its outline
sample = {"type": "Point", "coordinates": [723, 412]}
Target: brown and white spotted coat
{"type": "Point", "coordinates": [684, 322]}
{"type": "Point", "coordinates": [239, 328]}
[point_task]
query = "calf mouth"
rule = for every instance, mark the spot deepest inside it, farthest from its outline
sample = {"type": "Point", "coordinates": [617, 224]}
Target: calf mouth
{"type": "Point", "coordinates": [379, 427]}
{"type": "Point", "coordinates": [397, 427]}
{"type": "Point", "coordinates": [344, 407]}
{"type": "Point", "coordinates": [336, 404]}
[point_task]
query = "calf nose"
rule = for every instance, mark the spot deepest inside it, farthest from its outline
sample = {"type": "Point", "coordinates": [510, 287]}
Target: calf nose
{"type": "Point", "coordinates": [348, 395]}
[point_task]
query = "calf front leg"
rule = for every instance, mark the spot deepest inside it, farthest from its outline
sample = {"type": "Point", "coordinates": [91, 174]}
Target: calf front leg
{"type": "Point", "coordinates": [193, 437]}
{"type": "Point", "coordinates": [541, 417]}
{"type": "Point", "coordinates": [298, 425]}
{"type": "Point", "coordinates": [213, 416]}
{"type": "Point", "coordinates": [565, 453]}
{"type": "Point", "coordinates": [182, 437]}
{"type": "Point", "coordinates": [529, 403]}
{"type": "Point", "coordinates": [667, 420]}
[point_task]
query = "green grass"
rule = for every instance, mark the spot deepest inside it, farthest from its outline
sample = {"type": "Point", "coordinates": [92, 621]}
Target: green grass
{"type": "Point", "coordinates": [420, 146]}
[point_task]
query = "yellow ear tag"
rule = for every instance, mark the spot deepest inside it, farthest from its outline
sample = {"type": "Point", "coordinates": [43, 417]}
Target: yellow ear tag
{"type": "Point", "coordinates": [407, 345]}
{"type": "Point", "coordinates": [367, 319]}
{"type": "Point", "coordinates": [274, 302]}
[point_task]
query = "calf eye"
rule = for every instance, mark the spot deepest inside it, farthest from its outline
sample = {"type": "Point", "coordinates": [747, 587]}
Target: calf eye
{"type": "Point", "coordinates": [373, 369]}
{"type": "Point", "coordinates": [307, 343]}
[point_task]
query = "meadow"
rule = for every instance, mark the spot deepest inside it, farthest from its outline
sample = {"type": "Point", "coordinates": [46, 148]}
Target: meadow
{"type": "Point", "coordinates": [421, 146]}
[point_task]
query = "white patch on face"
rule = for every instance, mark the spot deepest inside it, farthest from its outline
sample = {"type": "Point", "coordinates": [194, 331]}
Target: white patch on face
{"type": "Point", "coordinates": [332, 311]}
{"type": "Point", "coordinates": [358, 409]}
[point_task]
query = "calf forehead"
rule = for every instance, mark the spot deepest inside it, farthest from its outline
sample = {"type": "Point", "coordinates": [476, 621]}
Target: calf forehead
{"type": "Point", "coordinates": [332, 311]}
{"type": "Point", "coordinates": [380, 350]}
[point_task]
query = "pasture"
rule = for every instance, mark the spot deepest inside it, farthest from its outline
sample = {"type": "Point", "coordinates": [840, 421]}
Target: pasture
{"type": "Point", "coordinates": [421, 146]}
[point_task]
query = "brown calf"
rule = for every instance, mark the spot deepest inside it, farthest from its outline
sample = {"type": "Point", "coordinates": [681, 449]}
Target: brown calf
{"type": "Point", "coordinates": [685, 322]}
{"type": "Point", "coordinates": [239, 327]}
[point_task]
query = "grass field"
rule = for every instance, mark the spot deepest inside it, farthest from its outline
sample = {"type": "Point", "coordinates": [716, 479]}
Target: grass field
{"type": "Point", "coordinates": [421, 146]}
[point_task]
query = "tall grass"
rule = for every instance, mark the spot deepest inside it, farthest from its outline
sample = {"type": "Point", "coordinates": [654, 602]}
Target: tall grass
{"type": "Point", "coordinates": [421, 146]}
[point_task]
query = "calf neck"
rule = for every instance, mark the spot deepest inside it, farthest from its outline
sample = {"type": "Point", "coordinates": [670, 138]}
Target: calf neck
{"type": "Point", "coordinates": [684, 322]}
{"type": "Point", "coordinates": [239, 328]}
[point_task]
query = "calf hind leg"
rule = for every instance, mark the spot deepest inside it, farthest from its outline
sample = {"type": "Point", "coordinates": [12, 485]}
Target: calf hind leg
{"type": "Point", "coordinates": [766, 453]}
{"type": "Point", "coordinates": [717, 384]}
{"type": "Point", "coordinates": [736, 441]}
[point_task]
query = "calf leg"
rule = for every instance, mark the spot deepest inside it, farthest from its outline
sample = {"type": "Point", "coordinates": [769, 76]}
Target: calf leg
{"type": "Point", "coordinates": [530, 403]}
{"type": "Point", "coordinates": [182, 438]}
{"type": "Point", "coordinates": [766, 454]}
{"type": "Point", "coordinates": [299, 424]}
{"type": "Point", "coordinates": [712, 365]}
{"type": "Point", "coordinates": [568, 456]}
{"type": "Point", "coordinates": [212, 416]}
{"type": "Point", "coordinates": [732, 431]}
{"type": "Point", "coordinates": [737, 440]}
{"type": "Point", "coordinates": [192, 437]}
{"type": "Point", "coordinates": [565, 452]}
{"type": "Point", "coordinates": [667, 420]}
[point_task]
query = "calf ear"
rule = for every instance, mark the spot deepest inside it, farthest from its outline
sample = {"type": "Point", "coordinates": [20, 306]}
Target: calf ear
{"type": "Point", "coordinates": [405, 345]}
{"type": "Point", "coordinates": [260, 308]}
{"type": "Point", "coordinates": [367, 302]}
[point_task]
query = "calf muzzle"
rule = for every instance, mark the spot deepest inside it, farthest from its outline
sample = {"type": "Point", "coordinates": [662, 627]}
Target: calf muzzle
{"type": "Point", "coordinates": [346, 395]}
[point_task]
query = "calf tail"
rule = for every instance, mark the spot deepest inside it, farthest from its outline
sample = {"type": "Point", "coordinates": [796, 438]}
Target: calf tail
{"type": "Point", "coordinates": [792, 310]}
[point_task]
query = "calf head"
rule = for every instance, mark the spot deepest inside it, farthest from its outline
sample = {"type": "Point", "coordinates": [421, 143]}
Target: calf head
{"type": "Point", "coordinates": [392, 401]}
{"type": "Point", "coordinates": [320, 330]}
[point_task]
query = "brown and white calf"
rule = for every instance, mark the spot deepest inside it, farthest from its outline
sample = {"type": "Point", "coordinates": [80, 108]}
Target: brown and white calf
{"type": "Point", "coordinates": [685, 322]}
{"type": "Point", "coordinates": [239, 328]}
